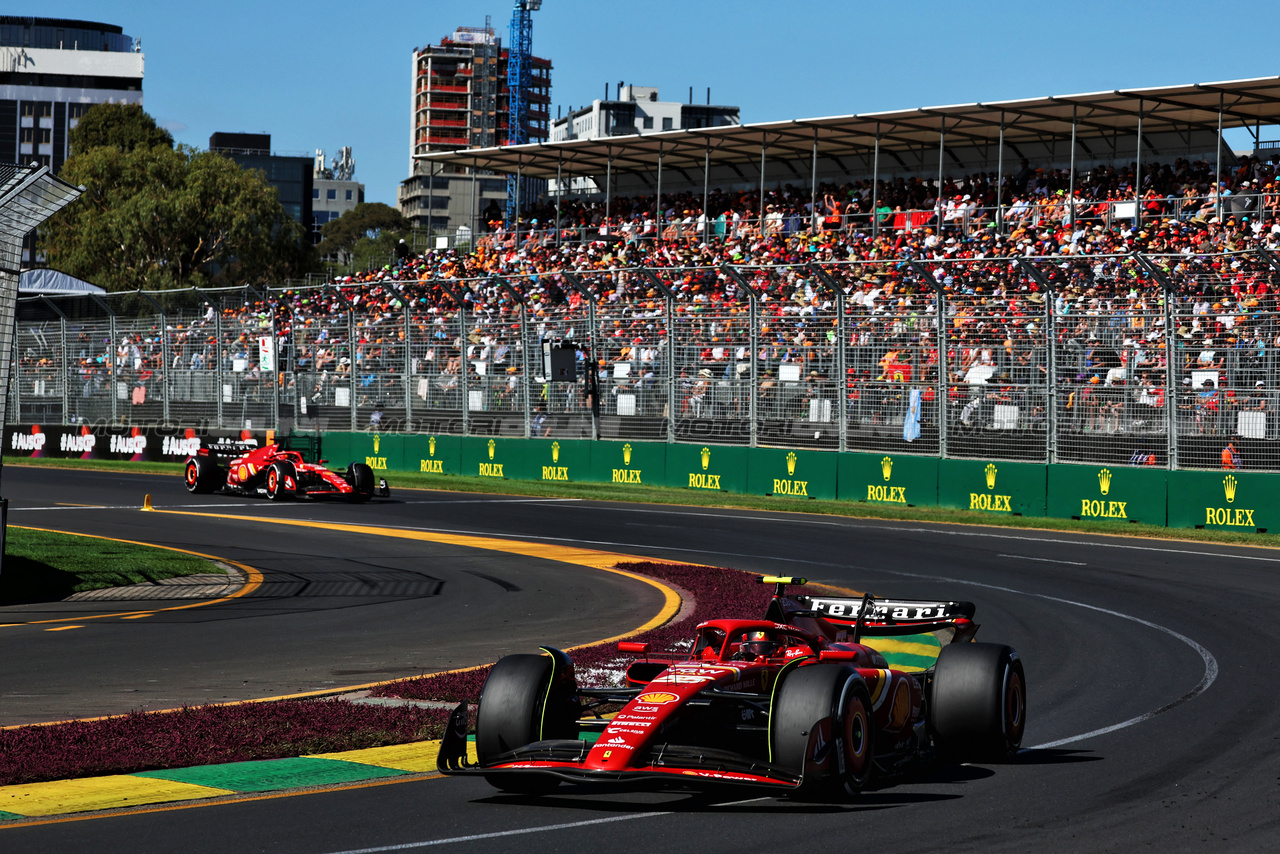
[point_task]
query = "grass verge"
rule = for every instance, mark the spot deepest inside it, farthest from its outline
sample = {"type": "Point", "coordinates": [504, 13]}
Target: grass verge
{"type": "Point", "coordinates": [43, 566]}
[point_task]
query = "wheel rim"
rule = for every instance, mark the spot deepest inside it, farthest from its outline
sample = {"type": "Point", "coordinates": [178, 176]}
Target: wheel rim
{"type": "Point", "coordinates": [191, 475]}
{"type": "Point", "coordinates": [273, 482]}
{"type": "Point", "coordinates": [857, 741]}
{"type": "Point", "coordinates": [1015, 705]}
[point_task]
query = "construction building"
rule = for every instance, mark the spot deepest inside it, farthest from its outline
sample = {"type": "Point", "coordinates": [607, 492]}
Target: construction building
{"type": "Point", "coordinates": [460, 100]}
{"type": "Point", "coordinates": [51, 71]}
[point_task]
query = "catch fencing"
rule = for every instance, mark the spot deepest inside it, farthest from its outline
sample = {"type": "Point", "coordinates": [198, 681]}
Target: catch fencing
{"type": "Point", "coordinates": [1166, 361]}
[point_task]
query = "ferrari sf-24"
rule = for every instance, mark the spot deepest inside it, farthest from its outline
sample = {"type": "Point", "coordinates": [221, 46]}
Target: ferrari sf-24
{"type": "Point", "coordinates": [278, 471]}
{"type": "Point", "coordinates": [817, 699]}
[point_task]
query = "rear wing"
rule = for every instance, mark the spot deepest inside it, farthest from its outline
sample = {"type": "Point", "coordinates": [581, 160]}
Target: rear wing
{"type": "Point", "coordinates": [886, 612]}
{"type": "Point", "coordinates": [226, 447]}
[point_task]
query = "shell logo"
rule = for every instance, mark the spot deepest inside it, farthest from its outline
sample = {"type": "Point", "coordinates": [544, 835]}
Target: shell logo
{"type": "Point", "coordinates": [901, 708]}
{"type": "Point", "coordinates": [243, 472]}
{"type": "Point", "coordinates": [657, 698]}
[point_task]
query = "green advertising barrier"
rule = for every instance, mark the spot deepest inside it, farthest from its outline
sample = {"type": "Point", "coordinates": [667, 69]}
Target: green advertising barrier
{"type": "Point", "coordinates": [340, 448]}
{"type": "Point", "coordinates": [897, 480]}
{"type": "Point", "coordinates": [707, 467]}
{"type": "Point", "coordinates": [629, 463]}
{"type": "Point", "coordinates": [1120, 493]}
{"type": "Point", "coordinates": [433, 454]}
{"type": "Point", "coordinates": [558, 460]}
{"type": "Point", "coordinates": [791, 474]}
{"type": "Point", "coordinates": [1230, 500]}
{"type": "Point", "coordinates": [497, 458]}
{"type": "Point", "coordinates": [992, 486]}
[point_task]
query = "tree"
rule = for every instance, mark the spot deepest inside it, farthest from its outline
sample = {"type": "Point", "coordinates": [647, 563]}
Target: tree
{"type": "Point", "coordinates": [120, 126]}
{"type": "Point", "coordinates": [366, 220]}
{"type": "Point", "coordinates": [158, 217]}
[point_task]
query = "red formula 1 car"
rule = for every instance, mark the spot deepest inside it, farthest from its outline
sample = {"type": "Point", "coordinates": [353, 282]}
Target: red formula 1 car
{"type": "Point", "coordinates": [818, 698]}
{"type": "Point", "coordinates": [278, 471]}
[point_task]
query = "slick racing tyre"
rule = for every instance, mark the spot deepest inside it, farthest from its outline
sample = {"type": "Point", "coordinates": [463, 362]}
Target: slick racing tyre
{"type": "Point", "coordinates": [977, 702]}
{"type": "Point", "coordinates": [360, 476]}
{"type": "Point", "coordinates": [519, 705]}
{"type": "Point", "coordinates": [202, 475]}
{"type": "Point", "coordinates": [821, 725]}
{"type": "Point", "coordinates": [279, 475]}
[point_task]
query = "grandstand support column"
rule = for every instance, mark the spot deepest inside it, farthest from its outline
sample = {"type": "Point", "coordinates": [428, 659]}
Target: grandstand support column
{"type": "Point", "coordinates": [1137, 174]}
{"type": "Point", "coordinates": [277, 375]}
{"type": "Point", "coordinates": [515, 212]}
{"type": "Point", "coordinates": [657, 203]}
{"type": "Point", "coordinates": [942, 154]}
{"type": "Point", "coordinates": [463, 365]}
{"type": "Point", "coordinates": [706, 192]}
{"type": "Point", "coordinates": [1217, 171]}
{"type": "Point", "coordinates": [1051, 404]}
{"type": "Point", "coordinates": [841, 383]}
{"type": "Point", "coordinates": [875, 187]}
{"type": "Point", "coordinates": [1000, 179]}
{"type": "Point", "coordinates": [813, 184]}
{"type": "Point", "coordinates": [559, 193]}
{"type": "Point", "coordinates": [608, 187]}
{"type": "Point", "coordinates": [1071, 173]}
{"type": "Point", "coordinates": [760, 221]}
{"type": "Point", "coordinates": [166, 369]}
{"type": "Point", "coordinates": [525, 377]}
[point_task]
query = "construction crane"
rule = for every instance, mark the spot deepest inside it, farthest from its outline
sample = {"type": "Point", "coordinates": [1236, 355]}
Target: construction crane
{"type": "Point", "coordinates": [518, 56]}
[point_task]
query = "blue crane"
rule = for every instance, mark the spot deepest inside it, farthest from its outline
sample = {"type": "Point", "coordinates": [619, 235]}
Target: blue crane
{"type": "Point", "coordinates": [518, 88]}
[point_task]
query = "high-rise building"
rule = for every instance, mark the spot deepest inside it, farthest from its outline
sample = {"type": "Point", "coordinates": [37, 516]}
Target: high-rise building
{"type": "Point", "coordinates": [51, 71]}
{"type": "Point", "coordinates": [460, 101]}
{"type": "Point", "coordinates": [637, 110]}
{"type": "Point", "coordinates": [293, 176]}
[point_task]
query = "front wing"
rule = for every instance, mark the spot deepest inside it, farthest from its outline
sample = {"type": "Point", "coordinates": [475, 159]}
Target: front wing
{"type": "Point", "coordinates": [672, 765]}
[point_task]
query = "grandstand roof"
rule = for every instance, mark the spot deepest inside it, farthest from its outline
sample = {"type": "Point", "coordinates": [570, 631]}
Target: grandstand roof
{"type": "Point", "coordinates": [1243, 103]}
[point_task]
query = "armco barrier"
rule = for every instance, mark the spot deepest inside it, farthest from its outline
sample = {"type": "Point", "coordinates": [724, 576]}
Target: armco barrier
{"type": "Point", "coordinates": [1229, 500]}
{"type": "Point", "coordinates": [1117, 493]}
{"type": "Point", "coordinates": [896, 480]}
{"type": "Point", "coordinates": [999, 488]}
{"type": "Point", "coordinates": [791, 474]}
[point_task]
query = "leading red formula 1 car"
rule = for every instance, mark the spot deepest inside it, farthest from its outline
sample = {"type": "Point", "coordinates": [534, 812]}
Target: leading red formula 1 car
{"type": "Point", "coordinates": [279, 471]}
{"type": "Point", "coordinates": [817, 698]}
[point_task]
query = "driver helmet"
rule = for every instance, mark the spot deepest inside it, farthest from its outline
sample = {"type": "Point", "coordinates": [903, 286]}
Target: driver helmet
{"type": "Point", "coordinates": [759, 644]}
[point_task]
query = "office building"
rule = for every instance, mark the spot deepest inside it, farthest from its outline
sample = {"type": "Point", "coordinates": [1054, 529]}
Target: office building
{"type": "Point", "coordinates": [293, 175]}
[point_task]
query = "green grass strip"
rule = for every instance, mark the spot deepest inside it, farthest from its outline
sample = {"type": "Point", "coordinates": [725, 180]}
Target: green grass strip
{"type": "Point", "coordinates": [9, 816]}
{"type": "Point", "coordinates": [41, 566]}
{"type": "Point", "coordinates": [268, 775]}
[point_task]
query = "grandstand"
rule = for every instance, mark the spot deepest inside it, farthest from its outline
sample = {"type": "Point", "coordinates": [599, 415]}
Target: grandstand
{"type": "Point", "coordinates": [1115, 308]}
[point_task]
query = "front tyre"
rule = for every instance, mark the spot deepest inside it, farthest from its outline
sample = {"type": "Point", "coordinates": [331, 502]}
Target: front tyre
{"type": "Point", "coordinates": [978, 702]}
{"type": "Point", "coordinates": [526, 698]}
{"type": "Point", "coordinates": [280, 476]}
{"type": "Point", "coordinates": [821, 726]}
{"type": "Point", "coordinates": [360, 476]}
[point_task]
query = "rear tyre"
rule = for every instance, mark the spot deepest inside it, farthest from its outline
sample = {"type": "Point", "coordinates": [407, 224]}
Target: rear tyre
{"type": "Point", "coordinates": [519, 705]}
{"type": "Point", "coordinates": [822, 726]}
{"type": "Point", "coordinates": [978, 702]}
{"type": "Point", "coordinates": [360, 476]}
{"type": "Point", "coordinates": [279, 475]}
{"type": "Point", "coordinates": [201, 475]}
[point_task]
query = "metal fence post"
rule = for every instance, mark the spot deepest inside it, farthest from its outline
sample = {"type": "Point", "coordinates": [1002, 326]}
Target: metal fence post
{"type": "Point", "coordinates": [943, 391]}
{"type": "Point", "coordinates": [408, 365]}
{"type": "Point", "coordinates": [219, 378]}
{"type": "Point", "coordinates": [841, 378]}
{"type": "Point", "coordinates": [63, 367]}
{"type": "Point", "coordinates": [111, 372]}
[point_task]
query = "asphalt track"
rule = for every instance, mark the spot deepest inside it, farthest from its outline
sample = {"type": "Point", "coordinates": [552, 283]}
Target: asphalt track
{"type": "Point", "coordinates": [1151, 669]}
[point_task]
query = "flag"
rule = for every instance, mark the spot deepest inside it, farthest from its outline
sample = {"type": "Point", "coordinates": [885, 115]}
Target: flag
{"type": "Point", "coordinates": [911, 424]}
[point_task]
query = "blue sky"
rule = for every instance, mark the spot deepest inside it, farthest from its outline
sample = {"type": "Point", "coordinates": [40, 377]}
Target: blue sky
{"type": "Point", "coordinates": [324, 74]}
